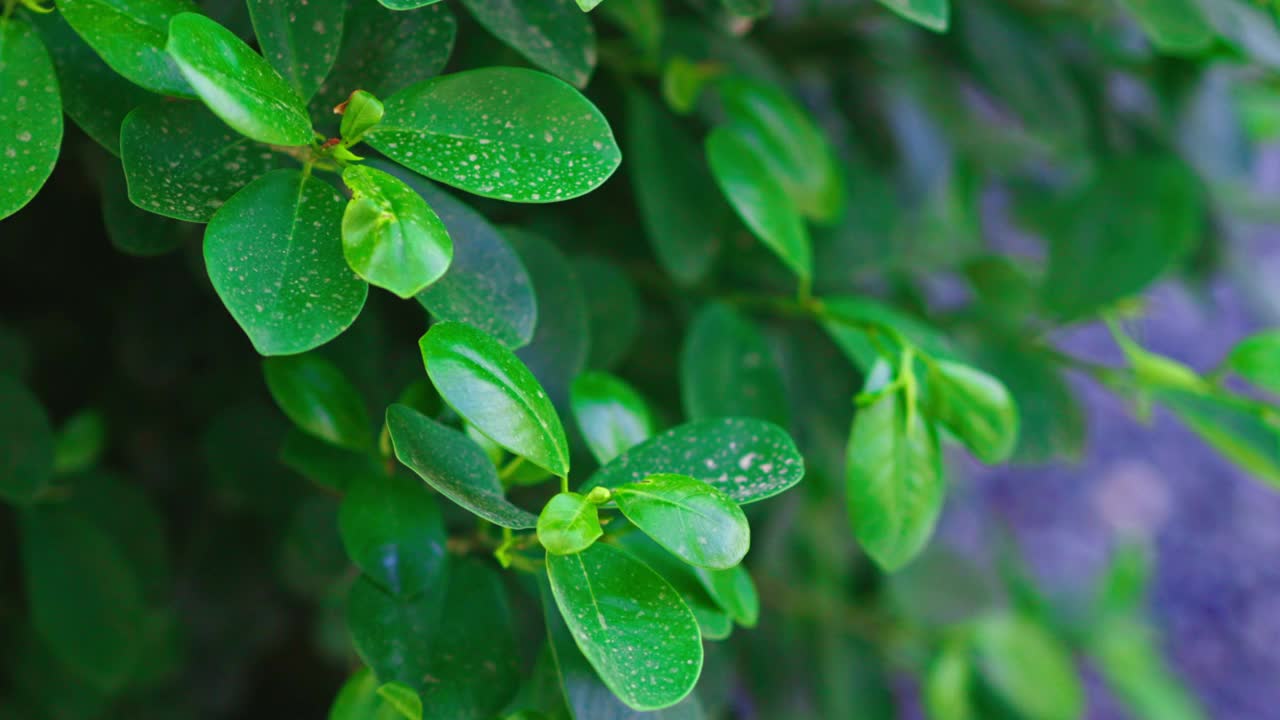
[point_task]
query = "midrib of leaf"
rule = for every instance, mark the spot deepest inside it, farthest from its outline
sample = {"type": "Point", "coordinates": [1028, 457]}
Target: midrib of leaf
{"type": "Point", "coordinates": [666, 501]}
{"type": "Point", "coordinates": [477, 139]}
{"type": "Point", "coordinates": [595, 604]}
{"type": "Point", "coordinates": [277, 297]}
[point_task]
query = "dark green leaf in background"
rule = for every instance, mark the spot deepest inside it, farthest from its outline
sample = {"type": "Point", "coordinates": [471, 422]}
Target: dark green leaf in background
{"type": "Point", "coordinates": [555, 35]}
{"type": "Point", "coordinates": [614, 312]}
{"type": "Point", "coordinates": [561, 341]}
{"type": "Point", "coordinates": [300, 38]}
{"type": "Point", "coordinates": [932, 14]}
{"type": "Point", "coordinates": [393, 531]}
{"type": "Point", "coordinates": [26, 443]}
{"type": "Point", "coordinates": [726, 368]}
{"type": "Point", "coordinates": [30, 118]}
{"type": "Point", "coordinates": [135, 231]}
{"type": "Point", "coordinates": [316, 396]}
{"type": "Point", "coordinates": [130, 36]}
{"type": "Point", "coordinates": [693, 520]}
{"type": "Point", "coordinates": [1174, 26]}
{"type": "Point", "coordinates": [612, 416]}
{"type": "Point", "coordinates": [80, 442]}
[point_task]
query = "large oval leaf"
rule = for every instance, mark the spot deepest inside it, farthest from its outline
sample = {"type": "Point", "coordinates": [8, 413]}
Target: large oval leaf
{"type": "Point", "coordinates": [393, 530]}
{"type": "Point", "coordinates": [130, 36]}
{"type": "Point", "coordinates": [726, 368]}
{"type": "Point", "coordinates": [611, 415]}
{"type": "Point", "coordinates": [300, 38]}
{"type": "Point", "coordinates": [504, 133]}
{"type": "Point", "coordinates": [629, 623]}
{"type": "Point", "coordinates": [237, 83]}
{"type": "Point", "coordinates": [390, 236]}
{"type": "Point", "coordinates": [745, 458]}
{"type": "Point", "coordinates": [26, 443]}
{"type": "Point", "coordinates": [455, 465]}
{"type": "Point", "coordinates": [318, 398]}
{"type": "Point", "coordinates": [698, 523]}
{"type": "Point", "coordinates": [30, 115]}
{"type": "Point", "coordinates": [274, 254]}
{"type": "Point", "coordinates": [491, 389]}
{"type": "Point", "coordinates": [553, 34]}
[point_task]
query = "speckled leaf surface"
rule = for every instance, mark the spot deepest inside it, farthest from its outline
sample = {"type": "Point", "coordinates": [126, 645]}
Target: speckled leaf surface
{"type": "Point", "coordinates": [183, 162]}
{"type": "Point", "coordinates": [130, 36]}
{"type": "Point", "coordinates": [696, 522]}
{"type": "Point", "coordinates": [455, 465]}
{"type": "Point", "coordinates": [494, 391]}
{"type": "Point", "coordinates": [26, 443]}
{"type": "Point", "coordinates": [390, 236]}
{"type": "Point", "coordinates": [237, 83]}
{"type": "Point", "coordinates": [629, 623]}
{"type": "Point", "coordinates": [612, 416]}
{"type": "Point", "coordinates": [746, 458]}
{"type": "Point", "coordinates": [274, 254]}
{"type": "Point", "coordinates": [30, 115]}
{"type": "Point", "coordinates": [555, 35]}
{"type": "Point", "coordinates": [300, 38]}
{"type": "Point", "coordinates": [505, 133]}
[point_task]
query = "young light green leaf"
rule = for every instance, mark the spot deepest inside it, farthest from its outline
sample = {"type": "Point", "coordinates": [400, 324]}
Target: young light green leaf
{"type": "Point", "coordinates": [552, 34]}
{"type": "Point", "coordinates": [130, 36]}
{"type": "Point", "coordinates": [630, 625]}
{"type": "Point", "coordinates": [745, 458]}
{"type": "Point", "coordinates": [300, 38]}
{"type": "Point", "coordinates": [390, 236]}
{"type": "Point", "coordinates": [1028, 667]}
{"type": "Point", "coordinates": [561, 342]}
{"type": "Point", "coordinates": [735, 592]}
{"type": "Point", "coordinates": [236, 83]}
{"type": "Point", "coordinates": [976, 407]}
{"type": "Point", "coordinates": [394, 532]}
{"type": "Point", "coordinates": [361, 699]}
{"type": "Point", "coordinates": [613, 310]}
{"type": "Point", "coordinates": [1240, 429]}
{"type": "Point", "coordinates": [894, 480]}
{"type": "Point", "coordinates": [491, 389]}
{"type": "Point", "coordinates": [26, 443]}
{"type": "Point", "coordinates": [932, 14]}
{"type": "Point", "coordinates": [30, 115]}
{"type": "Point", "coordinates": [318, 398]}
{"type": "Point", "coordinates": [273, 253]}
{"type": "Point", "coordinates": [568, 524]}
{"type": "Point", "coordinates": [757, 194]}
{"type": "Point", "coordinates": [360, 113]}
{"type": "Point", "coordinates": [80, 442]}
{"type": "Point", "coordinates": [452, 463]}
{"type": "Point", "coordinates": [505, 133]}
{"type": "Point", "coordinates": [403, 699]}
{"type": "Point", "coordinates": [1174, 26]}
{"type": "Point", "coordinates": [1257, 359]}
{"type": "Point", "coordinates": [726, 368]}
{"type": "Point", "coordinates": [181, 161]}
{"type": "Point", "coordinates": [695, 521]}
{"type": "Point", "coordinates": [588, 5]}
{"type": "Point", "coordinates": [947, 685]}
{"type": "Point", "coordinates": [612, 416]}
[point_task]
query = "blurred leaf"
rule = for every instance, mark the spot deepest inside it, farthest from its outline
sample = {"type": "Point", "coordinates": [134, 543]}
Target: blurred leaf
{"type": "Point", "coordinates": [1029, 668]}
{"type": "Point", "coordinates": [1245, 432]}
{"type": "Point", "coordinates": [611, 415]}
{"type": "Point", "coordinates": [26, 443]}
{"type": "Point", "coordinates": [1257, 359]}
{"type": "Point", "coordinates": [726, 368]}
{"type": "Point", "coordinates": [393, 531]}
{"type": "Point", "coordinates": [80, 442]}
{"type": "Point", "coordinates": [555, 35]}
{"type": "Point", "coordinates": [299, 38]}
{"type": "Point", "coordinates": [1174, 26]}
{"type": "Point", "coordinates": [319, 399]}
{"type": "Point", "coordinates": [932, 14]}
{"type": "Point", "coordinates": [976, 407]}
{"type": "Point", "coordinates": [562, 340]}
{"type": "Point", "coordinates": [613, 310]}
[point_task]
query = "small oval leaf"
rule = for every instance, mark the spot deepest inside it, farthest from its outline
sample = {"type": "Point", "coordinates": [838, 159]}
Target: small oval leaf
{"type": "Point", "coordinates": [569, 523]}
{"type": "Point", "coordinates": [976, 407]}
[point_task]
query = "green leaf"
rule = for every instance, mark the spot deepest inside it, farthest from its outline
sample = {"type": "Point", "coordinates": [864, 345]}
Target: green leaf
{"type": "Point", "coordinates": [785, 139]}
{"type": "Point", "coordinates": [403, 699]}
{"type": "Point", "coordinates": [133, 230]}
{"type": "Point", "coordinates": [322, 463]}
{"type": "Point", "coordinates": [745, 458]}
{"type": "Point", "coordinates": [1257, 359]}
{"type": "Point", "coordinates": [568, 524]}
{"type": "Point", "coordinates": [360, 699]}
{"type": "Point", "coordinates": [300, 39]}
{"type": "Point", "coordinates": [552, 34]}
{"type": "Point", "coordinates": [932, 14]}
{"type": "Point", "coordinates": [1174, 26]}
{"type": "Point", "coordinates": [976, 407]}
{"type": "Point", "coordinates": [683, 214]}
{"type": "Point", "coordinates": [613, 310]}
{"type": "Point", "coordinates": [491, 389]}
{"type": "Point", "coordinates": [641, 20]}
{"type": "Point", "coordinates": [696, 522]}
{"type": "Point", "coordinates": [714, 622]}
{"type": "Point", "coordinates": [394, 634]}
{"type": "Point", "coordinates": [858, 325]}
{"type": "Point", "coordinates": [1245, 432]}
{"type": "Point", "coordinates": [735, 592]}
{"type": "Point", "coordinates": [130, 36]}
{"type": "Point", "coordinates": [452, 463]}
{"type": "Point", "coordinates": [947, 685]}
{"type": "Point", "coordinates": [274, 255]}
{"type": "Point", "coordinates": [748, 8]}
{"type": "Point", "coordinates": [394, 532]}
{"type": "Point", "coordinates": [1029, 668]}
{"type": "Point", "coordinates": [390, 236]}
{"type": "Point", "coordinates": [894, 479]}
{"type": "Point", "coordinates": [758, 196]}
{"type": "Point", "coordinates": [30, 116]}
{"type": "Point", "coordinates": [629, 624]}
{"type": "Point", "coordinates": [360, 113]}
{"type": "Point", "coordinates": [1127, 654]}
{"type": "Point", "coordinates": [318, 398]}
{"type": "Point", "coordinates": [505, 133]}
{"type": "Point", "coordinates": [612, 416]}
{"type": "Point", "coordinates": [80, 442]}
{"type": "Point", "coordinates": [26, 443]}
{"type": "Point", "coordinates": [588, 5]}
{"type": "Point", "coordinates": [487, 285]}
{"type": "Point", "coordinates": [726, 368]}
{"type": "Point", "coordinates": [183, 162]}
{"type": "Point", "coordinates": [562, 340]}
{"type": "Point", "coordinates": [1051, 421]}
{"type": "Point", "coordinates": [236, 83]}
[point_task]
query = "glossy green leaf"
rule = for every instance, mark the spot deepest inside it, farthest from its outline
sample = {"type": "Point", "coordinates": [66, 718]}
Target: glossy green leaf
{"type": "Point", "coordinates": [1257, 359]}
{"type": "Point", "coordinates": [491, 389]}
{"type": "Point", "coordinates": [745, 458]}
{"type": "Point", "coordinates": [361, 112]}
{"type": "Point", "coordinates": [26, 443]}
{"type": "Point", "coordinates": [403, 699]}
{"type": "Point", "coordinates": [183, 162]}
{"type": "Point", "coordinates": [562, 339]}
{"type": "Point", "coordinates": [684, 215]}
{"type": "Point", "coordinates": [30, 117]}
{"type": "Point", "coordinates": [390, 236]}
{"type": "Point", "coordinates": [569, 523]}
{"type": "Point", "coordinates": [1029, 668]}
{"type": "Point", "coordinates": [505, 133]}
{"type": "Point", "coordinates": [133, 230]}
{"type": "Point", "coordinates": [553, 34]}
{"type": "Point", "coordinates": [394, 532]}
{"type": "Point", "coordinates": [932, 14]}
{"type": "Point", "coordinates": [1174, 26]}
{"type": "Point", "coordinates": [452, 463]}
{"type": "Point", "coordinates": [894, 480]}
{"type": "Point", "coordinates": [613, 310]}
{"type": "Point", "coordinates": [236, 83]}
{"type": "Point", "coordinates": [80, 442]}
{"type": "Point", "coordinates": [726, 368]}
{"type": "Point", "coordinates": [1245, 432]}
{"type": "Point", "coordinates": [629, 624]}
{"type": "Point", "coordinates": [318, 398]}
{"type": "Point", "coordinates": [758, 196]}
{"type": "Point", "coordinates": [273, 253]}
{"type": "Point", "coordinates": [300, 39]}
{"type": "Point", "coordinates": [976, 408]}
{"type": "Point", "coordinates": [785, 139]}
{"type": "Point", "coordinates": [714, 623]}
{"type": "Point", "coordinates": [695, 521]}
{"type": "Point", "coordinates": [611, 415]}
{"type": "Point", "coordinates": [487, 285]}
{"type": "Point", "coordinates": [130, 36]}
{"type": "Point", "coordinates": [735, 592]}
